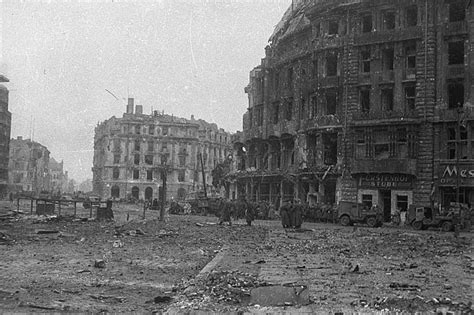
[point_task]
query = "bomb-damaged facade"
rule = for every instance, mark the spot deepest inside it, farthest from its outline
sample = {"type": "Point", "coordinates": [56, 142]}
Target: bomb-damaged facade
{"type": "Point", "coordinates": [367, 101]}
{"type": "Point", "coordinates": [133, 153]}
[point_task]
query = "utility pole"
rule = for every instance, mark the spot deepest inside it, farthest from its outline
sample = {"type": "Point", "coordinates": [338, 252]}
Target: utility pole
{"type": "Point", "coordinates": [203, 175]}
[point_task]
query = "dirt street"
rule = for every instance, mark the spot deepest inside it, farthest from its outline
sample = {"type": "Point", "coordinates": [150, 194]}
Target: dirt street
{"type": "Point", "coordinates": [190, 263]}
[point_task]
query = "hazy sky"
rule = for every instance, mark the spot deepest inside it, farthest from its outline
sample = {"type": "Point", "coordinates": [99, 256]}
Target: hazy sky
{"type": "Point", "coordinates": [184, 57]}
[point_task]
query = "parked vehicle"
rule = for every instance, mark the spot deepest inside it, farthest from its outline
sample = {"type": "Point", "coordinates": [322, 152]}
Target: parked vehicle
{"type": "Point", "coordinates": [91, 200]}
{"type": "Point", "coordinates": [354, 212]}
{"type": "Point", "coordinates": [422, 218]}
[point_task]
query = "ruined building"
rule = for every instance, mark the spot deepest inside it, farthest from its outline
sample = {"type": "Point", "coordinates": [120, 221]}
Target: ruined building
{"type": "Point", "coordinates": [59, 177]}
{"type": "Point", "coordinates": [5, 128]}
{"type": "Point", "coordinates": [29, 166]}
{"type": "Point", "coordinates": [133, 153]}
{"type": "Point", "coordinates": [367, 100]}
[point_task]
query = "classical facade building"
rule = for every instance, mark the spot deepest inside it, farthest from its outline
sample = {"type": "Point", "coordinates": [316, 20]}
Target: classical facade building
{"type": "Point", "coordinates": [133, 153]}
{"type": "Point", "coordinates": [29, 166]}
{"type": "Point", "coordinates": [5, 128]}
{"type": "Point", "coordinates": [367, 100]}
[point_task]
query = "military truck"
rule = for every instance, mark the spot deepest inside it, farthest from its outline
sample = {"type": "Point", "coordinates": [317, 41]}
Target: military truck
{"type": "Point", "coordinates": [355, 212]}
{"type": "Point", "coordinates": [422, 218]}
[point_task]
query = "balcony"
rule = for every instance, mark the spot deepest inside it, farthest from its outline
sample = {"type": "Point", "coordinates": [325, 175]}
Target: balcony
{"type": "Point", "coordinates": [323, 122]}
{"type": "Point", "coordinates": [451, 114]}
{"type": "Point", "coordinates": [390, 166]}
{"type": "Point", "coordinates": [384, 115]}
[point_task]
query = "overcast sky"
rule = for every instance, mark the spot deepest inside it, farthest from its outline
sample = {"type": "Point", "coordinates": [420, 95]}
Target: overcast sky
{"type": "Point", "coordinates": [184, 57]}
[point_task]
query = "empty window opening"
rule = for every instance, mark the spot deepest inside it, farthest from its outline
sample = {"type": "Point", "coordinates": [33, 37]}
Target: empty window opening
{"type": "Point", "coordinates": [365, 100]}
{"type": "Point", "coordinates": [457, 11]}
{"type": "Point", "coordinates": [136, 159]}
{"type": "Point", "coordinates": [313, 111]}
{"type": "Point", "coordinates": [151, 129]}
{"type": "Point", "coordinates": [289, 110]}
{"type": "Point", "coordinates": [165, 131]}
{"type": "Point", "coordinates": [331, 101]}
{"type": "Point", "coordinates": [317, 29]}
{"type": "Point", "coordinates": [182, 160]}
{"type": "Point", "coordinates": [410, 97]}
{"type": "Point", "coordinates": [137, 130]}
{"type": "Point", "coordinates": [150, 146]}
{"type": "Point", "coordinates": [411, 15]}
{"type": "Point", "coordinates": [331, 65]}
{"type": "Point", "coordinates": [389, 20]}
{"type": "Point", "coordinates": [456, 52]}
{"type": "Point", "coordinates": [259, 114]}
{"type": "Point", "coordinates": [365, 60]}
{"type": "Point", "coordinates": [149, 159]}
{"type": "Point", "coordinates": [137, 145]}
{"type": "Point", "coordinates": [315, 68]}
{"type": "Point", "coordinates": [381, 144]}
{"type": "Point", "coordinates": [136, 174]}
{"type": "Point", "coordinates": [290, 77]}
{"type": "Point", "coordinates": [387, 99]}
{"type": "Point", "coordinates": [276, 112]}
{"type": "Point", "coordinates": [149, 175]}
{"type": "Point", "coordinates": [116, 158]}
{"type": "Point", "coordinates": [116, 173]}
{"type": "Point", "coordinates": [330, 148]}
{"type": "Point", "coordinates": [387, 59]}
{"type": "Point", "coordinates": [303, 109]}
{"type": "Point", "coordinates": [410, 54]}
{"type": "Point", "coordinates": [367, 23]}
{"type": "Point", "coordinates": [181, 175]}
{"type": "Point", "coordinates": [455, 94]}
{"type": "Point", "coordinates": [333, 27]}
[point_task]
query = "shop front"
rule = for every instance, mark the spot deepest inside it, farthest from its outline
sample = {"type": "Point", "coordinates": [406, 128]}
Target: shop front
{"type": "Point", "coordinates": [391, 192]}
{"type": "Point", "coordinates": [456, 179]}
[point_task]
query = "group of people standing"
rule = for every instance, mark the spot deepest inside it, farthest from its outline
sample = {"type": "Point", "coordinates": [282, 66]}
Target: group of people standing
{"type": "Point", "coordinates": [291, 213]}
{"type": "Point", "coordinates": [236, 209]}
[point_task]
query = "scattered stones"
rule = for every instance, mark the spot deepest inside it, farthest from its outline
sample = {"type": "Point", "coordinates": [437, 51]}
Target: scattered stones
{"type": "Point", "coordinates": [99, 263]}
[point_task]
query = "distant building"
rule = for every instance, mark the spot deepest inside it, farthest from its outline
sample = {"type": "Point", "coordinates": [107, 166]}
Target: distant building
{"type": "Point", "coordinates": [59, 177]}
{"type": "Point", "coordinates": [85, 186]}
{"type": "Point", "coordinates": [5, 128]}
{"type": "Point", "coordinates": [29, 166]}
{"type": "Point", "coordinates": [366, 100]}
{"type": "Point", "coordinates": [131, 153]}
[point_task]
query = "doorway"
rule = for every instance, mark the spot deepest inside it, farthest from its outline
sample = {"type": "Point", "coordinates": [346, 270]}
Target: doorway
{"type": "Point", "coordinates": [386, 196]}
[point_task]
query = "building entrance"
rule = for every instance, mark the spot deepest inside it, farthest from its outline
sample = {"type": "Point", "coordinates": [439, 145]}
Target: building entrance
{"type": "Point", "coordinates": [386, 198]}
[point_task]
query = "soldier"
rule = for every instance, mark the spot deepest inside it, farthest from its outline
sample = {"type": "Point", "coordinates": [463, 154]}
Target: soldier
{"type": "Point", "coordinates": [225, 212]}
{"type": "Point", "coordinates": [297, 214]}
{"type": "Point", "coordinates": [285, 214]}
{"type": "Point", "coordinates": [249, 212]}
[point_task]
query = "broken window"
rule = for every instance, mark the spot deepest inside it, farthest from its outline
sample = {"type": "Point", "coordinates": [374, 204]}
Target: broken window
{"type": "Point", "coordinates": [276, 80]}
{"type": "Point", "coordinates": [151, 129]}
{"type": "Point", "coordinates": [137, 129]}
{"type": "Point", "coordinates": [387, 98]}
{"type": "Point", "coordinates": [313, 111]}
{"type": "Point", "coordinates": [331, 64]}
{"type": "Point", "coordinates": [149, 175]}
{"type": "Point", "coordinates": [367, 200]}
{"type": "Point", "coordinates": [116, 144]}
{"type": "Point", "coordinates": [331, 101]}
{"type": "Point", "coordinates": [164, 131]}
{"type": "Point", "coordinates": [365, 60]}
{"type": "Point", "coordinates": [164, 159]}
{"type": "Point", "coordinates": [137, 145]}
{"type": "Point", "coordinates": [361, 145]}
{"type": "Point", "coordinates": [314, 72]}
{"type": "Point", "coordinates": [410, 55]}
{"type": "Point", "coordinates": [330, 148]}
{"type": "Point", "coordinates": [116, 173]}
{"type": "Point", "coordinates": [259, 114]}
{"type": "Point", "coordinates": [381, 144]}
{"type": "Point", "coordinates": [149, 159]}
{"type": "Point", "coordinates": [136, 159]}
{"type": "Point", "coordinates": [388, 20]}
{"type": "Point", "coordinates": [250, 117]}
{"type": "Point", "coordinates": [276, 112]}
{"type": "Point", "coordinates": [150, 146]}
{"type": "Point", "coordinates": [411, 15]}
{"type": "Point", "coordinates": [333, 27]}
{"type": "Point", "coordinates": [181, 175]}
{"type": "Point", "coordinates": [454, 144]}
{"type": "Point", "coordinates": [289, 109]}
{"type": "Point", "coordinates": [367, 23]}
{"type": "Point", "coordinates": [387, 59]}
{"type": "Point", "coordinates": [402, 143]}
{"type": "Point", "coordinates": [317, 29]}
{"type": "Point", "coordinates": [290, 77]}
{"type": "Point", "coordinates": [365, 99]}
{"type": "Point", "coordinates": [182, 160]}
{"type": "Point", "coordinates": [410, 97]}
{"type": "Point", "coordinates": [455, 93]}
{"type": "Point", "coordinates": [116, 158]}
{"type": "Point", "coordinates": [402, 202]}
{"type": "Point", "coordinates": [303, 108]}
{"type": "Point", "coordinates": [136, 174]}
{"type": "Point", "coordinates": [456, 52]}
{"type": "Point", "coordinates": [457, 10]}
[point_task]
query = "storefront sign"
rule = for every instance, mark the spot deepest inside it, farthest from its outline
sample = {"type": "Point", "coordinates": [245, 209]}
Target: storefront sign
{"type": "Point", "coordinates": [386, 181]}
{"type": "Point", "coordinates": [450, 174]}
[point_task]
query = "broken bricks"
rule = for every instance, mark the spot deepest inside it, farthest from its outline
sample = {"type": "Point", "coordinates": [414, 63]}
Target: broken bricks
{"type": "Point", "coordinates": [99, 263]}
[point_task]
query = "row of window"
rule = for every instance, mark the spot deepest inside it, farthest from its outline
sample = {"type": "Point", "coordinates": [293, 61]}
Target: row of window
{"type": "Point", "coordinates": [388, 19]}
{"type": "Point", "coordinates": [149, 175]}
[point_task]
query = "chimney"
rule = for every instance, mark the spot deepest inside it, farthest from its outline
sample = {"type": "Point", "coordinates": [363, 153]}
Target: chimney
{"type": "Point", "coordinates": [130, 105]}
{"type": "Point", "coordinates": [139, 109]}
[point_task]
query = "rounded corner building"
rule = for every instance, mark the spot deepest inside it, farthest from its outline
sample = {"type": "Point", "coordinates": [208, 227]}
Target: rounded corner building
{"type": "Point", "coordinates": [362, 100]}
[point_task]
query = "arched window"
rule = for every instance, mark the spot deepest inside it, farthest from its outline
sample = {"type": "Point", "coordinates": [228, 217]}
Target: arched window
{"type": "Point", "coordinates": [148, 193]}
